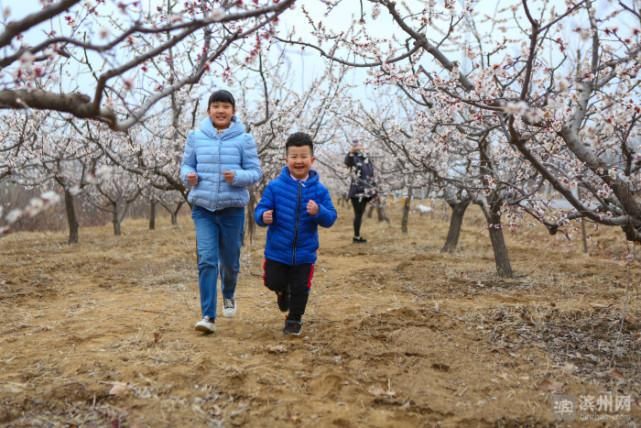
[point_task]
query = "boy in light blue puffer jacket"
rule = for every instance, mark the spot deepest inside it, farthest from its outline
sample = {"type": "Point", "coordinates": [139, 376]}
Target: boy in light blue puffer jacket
{"type": "Point", "coordinates": [293, 205]}
{"type": "Point", "coordinates": [219, 163]}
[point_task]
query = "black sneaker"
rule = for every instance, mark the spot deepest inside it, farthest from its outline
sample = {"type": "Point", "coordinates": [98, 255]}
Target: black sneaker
{"type": "Point", "coordinates": [293, 327]}
{"type": "Point", "coordinates": [283, 301]}
{"type": "Point", "coordinates": [358, 240]}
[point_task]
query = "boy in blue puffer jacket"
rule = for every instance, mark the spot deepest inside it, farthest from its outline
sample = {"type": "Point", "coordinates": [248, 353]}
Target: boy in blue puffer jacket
{"type": "Point", "coordinates": [219, 163]}
{"type": "Point", "coordinates": [293, 205]}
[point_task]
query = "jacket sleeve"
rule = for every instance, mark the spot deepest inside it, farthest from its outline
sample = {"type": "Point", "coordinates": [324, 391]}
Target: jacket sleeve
{"type": "Point", "coordinates": [250, 171]}
{"type": "Point", "coordinates": [326, 212]}
{"type": "Point", "coordinates": [266, 203]}
{"type": "Point", "coordinates": [189, 159]}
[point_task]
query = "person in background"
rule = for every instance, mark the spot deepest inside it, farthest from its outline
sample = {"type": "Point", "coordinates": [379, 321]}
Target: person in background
{"type": "Point", "coordinates": [292, 206]}
{"type": "Point", "coordinates": [362, 188]}
{"type": "Point", "coordinates": [219, 163]}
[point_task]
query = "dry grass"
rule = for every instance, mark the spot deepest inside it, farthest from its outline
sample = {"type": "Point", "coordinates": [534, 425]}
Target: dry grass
{"type": "Point", "coordinates": [396, 333]}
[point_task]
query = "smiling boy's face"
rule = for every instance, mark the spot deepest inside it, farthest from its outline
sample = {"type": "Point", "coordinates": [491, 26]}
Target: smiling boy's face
{"type": "Point", "coordinates": [299, 161]}
{"type": "Point", "coordinates": [220, 113]}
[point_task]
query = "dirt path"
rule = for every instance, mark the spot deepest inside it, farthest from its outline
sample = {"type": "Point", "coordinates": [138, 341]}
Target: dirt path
{"type": "Point", "coordinates": [396, 333]}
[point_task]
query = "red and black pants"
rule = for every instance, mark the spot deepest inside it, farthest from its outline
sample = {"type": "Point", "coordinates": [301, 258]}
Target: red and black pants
{"type": "Point", "coordinates": [293, 280]}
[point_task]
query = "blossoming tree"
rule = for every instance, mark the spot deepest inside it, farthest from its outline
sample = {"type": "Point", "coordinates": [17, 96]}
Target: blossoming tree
{"type": "Point", "coordinates": [89, 58]}
{"type": "Point", "coordinates": [552, 85]}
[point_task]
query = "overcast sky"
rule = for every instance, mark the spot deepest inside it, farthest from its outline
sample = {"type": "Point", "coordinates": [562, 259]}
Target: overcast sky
{"type": "Point", "coordinates": [305, 66]}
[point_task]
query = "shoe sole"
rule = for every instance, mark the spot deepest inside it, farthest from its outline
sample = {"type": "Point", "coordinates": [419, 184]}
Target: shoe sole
{"type": "Point", "coordinates": [204, 329]}
{"type": "Point", "coordinates": [291, 333]}
{"type": "Point", "coordinates": [229, 314]}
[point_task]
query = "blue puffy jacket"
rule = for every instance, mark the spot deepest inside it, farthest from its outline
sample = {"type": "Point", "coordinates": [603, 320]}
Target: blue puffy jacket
{"type": "Point", "coordinates": [292, 238]}
{"type": "Point", "coordinates": [209, 154]}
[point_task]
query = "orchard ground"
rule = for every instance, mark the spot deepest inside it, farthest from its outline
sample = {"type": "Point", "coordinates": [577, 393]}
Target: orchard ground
{"type": "Point", "coordinates": [396, 333]}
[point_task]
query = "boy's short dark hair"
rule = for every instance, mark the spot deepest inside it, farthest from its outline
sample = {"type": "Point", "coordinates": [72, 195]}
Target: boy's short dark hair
{"type": "Point", "coordinates": [223, 96]}
{"type": "Point", "coordinates": [299, 139]}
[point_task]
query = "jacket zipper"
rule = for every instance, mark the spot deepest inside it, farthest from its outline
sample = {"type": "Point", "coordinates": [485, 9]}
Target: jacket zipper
{"type": "Point", "coordinates": [300, 191]}
{"type": "Point", "coordinates": [217, 198]}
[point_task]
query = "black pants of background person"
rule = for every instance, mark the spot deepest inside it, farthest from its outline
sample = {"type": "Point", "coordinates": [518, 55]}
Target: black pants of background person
{"type": "Point", "coordinates": [359, 210]}
{"type": "Point", "coordinates": [295, 280]}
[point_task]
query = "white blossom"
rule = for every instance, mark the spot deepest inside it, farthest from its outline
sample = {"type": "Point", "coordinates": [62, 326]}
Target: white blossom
{"type": "Point", "coordinates": [26, 59]}
{"type": "Point", "coordinates": [103, 171]}
{"type": "Point", "coordinates": [50, 197]}
{"type": "Point", "coordinates": [13, 215]}
{"type": "Point", "coordinates": [217, 14]}
{"type": "Point", "coordinates": [516, 108]}
{"type": "Point", "coordinates": [376, 11]}
{"type": "Point", "coordinates": [562, 85]}
{"type": "Point", "coordinates": [585, 33]}
{"type": "Point", "coordinates": [35, 206]}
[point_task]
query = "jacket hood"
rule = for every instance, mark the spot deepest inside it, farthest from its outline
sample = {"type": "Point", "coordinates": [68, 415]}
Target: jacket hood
{"type": "Point", "coordinates": [235, 128]}
{"type": "Point", "coordinates": [285, 175]}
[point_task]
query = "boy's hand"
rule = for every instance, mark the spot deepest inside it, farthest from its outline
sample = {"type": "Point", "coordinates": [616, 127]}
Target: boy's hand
{"type": "Point", "coordinates": [268, 217]}
{"type": "Point", "coordinates": [312, 207]}
{"type": "Point", "coordinates": [192, 179]}
{"type": "Point", "coordinates": [229, 176]}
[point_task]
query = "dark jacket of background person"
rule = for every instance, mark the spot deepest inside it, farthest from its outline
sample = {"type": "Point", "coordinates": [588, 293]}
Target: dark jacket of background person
{"type": "Point", "coordinates": [363, 184]}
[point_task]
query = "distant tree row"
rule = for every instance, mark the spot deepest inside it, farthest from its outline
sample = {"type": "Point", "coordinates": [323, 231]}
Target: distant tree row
{"type": "Point", "coordinates": [472, 106]}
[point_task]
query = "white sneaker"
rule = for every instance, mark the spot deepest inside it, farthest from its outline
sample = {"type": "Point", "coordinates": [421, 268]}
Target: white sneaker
{"type": "Point", "coordinates": [229, 308]}
{"type": "Point", "coordinates": [206, 325]}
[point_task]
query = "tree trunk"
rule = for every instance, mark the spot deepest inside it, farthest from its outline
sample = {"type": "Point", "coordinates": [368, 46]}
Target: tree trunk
{"type": "Point", "coordinates": [456, 221]}
{"type": "Point", "coordinates": [380, 210]}
{"type": "Point", "coordinates": [406, 210]}
{"type": "Point", "coordinates": [152, 214]}
{"type": "Point", "coordinates": [370, 210]}
{"type": "Point", "coordinates": [174, 215]}
{"type": "Point", "coordinates": [491, 207]}
{"type": "Point", "coordinates": [584, 236]}
{"type": "Point", "coordinates": [251, 224]}
{"type": "Point", "coordinates": [115, 220]}
{"type": "Point", "coordinates": [501, 257]}
{"type": "Point", "coordinates": [382, 216]}
{"type": "Point", "coordinates": [72, 219]}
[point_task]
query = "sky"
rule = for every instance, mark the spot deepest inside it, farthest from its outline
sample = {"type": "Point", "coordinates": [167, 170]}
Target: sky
{"type": "Point", "coordinates": [309, 65]}
{"type": "Point", "coordinates": [306, 66]}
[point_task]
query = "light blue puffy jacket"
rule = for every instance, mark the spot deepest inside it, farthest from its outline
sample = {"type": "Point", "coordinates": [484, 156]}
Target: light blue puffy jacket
{"type": "Point", "coordinates": [209, 154]}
